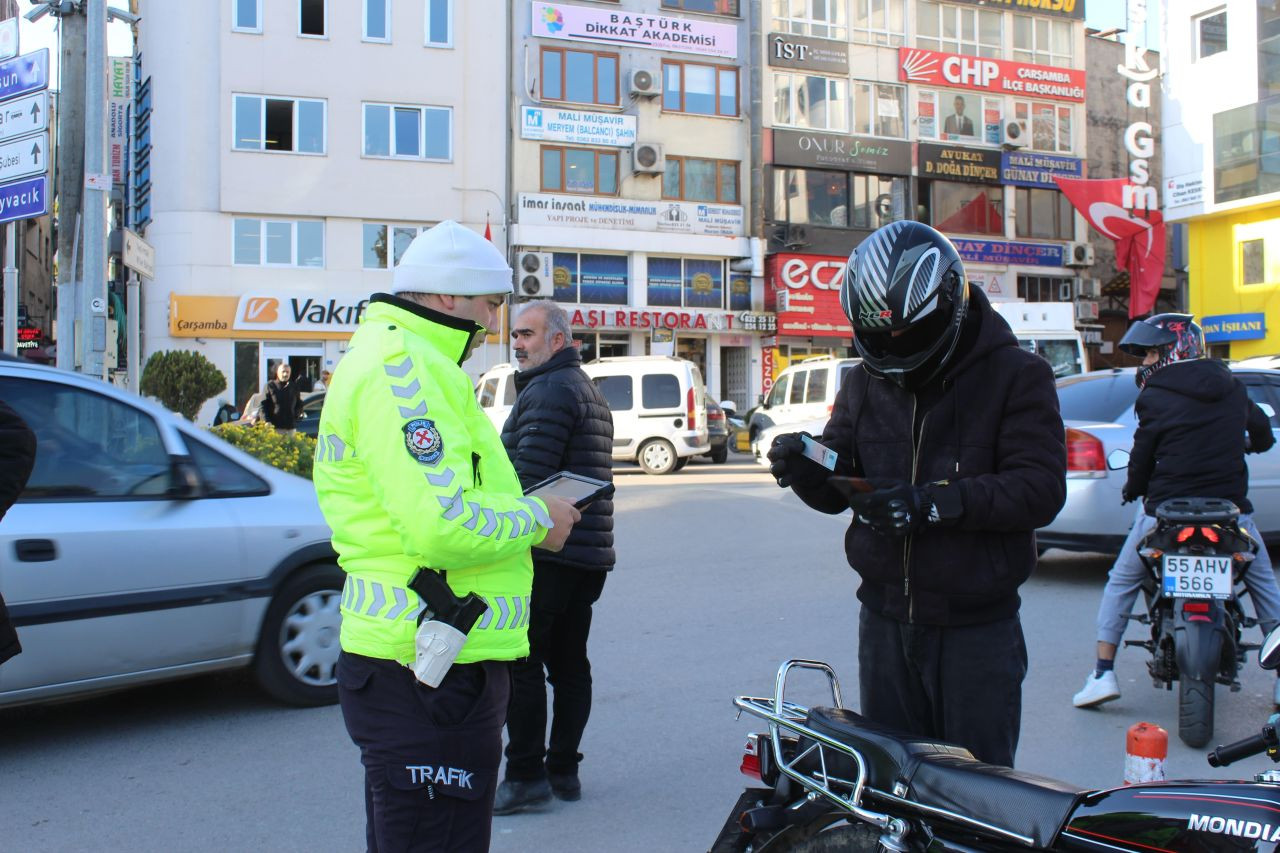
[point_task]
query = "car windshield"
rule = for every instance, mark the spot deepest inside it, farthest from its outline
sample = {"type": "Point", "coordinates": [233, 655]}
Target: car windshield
{"type": "Point", "coordinates": [1096, 397]}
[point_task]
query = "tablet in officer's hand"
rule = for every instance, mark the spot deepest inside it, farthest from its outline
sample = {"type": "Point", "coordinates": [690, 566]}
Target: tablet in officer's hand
{"type": "Point", "coordinates": [575, 488]}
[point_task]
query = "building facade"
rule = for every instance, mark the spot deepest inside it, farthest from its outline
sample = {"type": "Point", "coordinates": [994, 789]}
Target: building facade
{"type": "Point", "coordinates": [294, 150]}
{"type": "Point", "coordinates": [1222, 165]}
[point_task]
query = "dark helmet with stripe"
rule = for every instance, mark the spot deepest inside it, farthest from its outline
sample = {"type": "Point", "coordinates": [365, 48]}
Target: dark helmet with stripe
{"type": "Point", "coordinates": [905, 278]}
{"type": "Point", "coordinates": [1176, 337]}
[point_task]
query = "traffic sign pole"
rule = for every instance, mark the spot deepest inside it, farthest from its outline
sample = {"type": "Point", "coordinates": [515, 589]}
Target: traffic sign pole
{"type": "Point", "coordinates": [10, 290]}
{"type": "Point", "coordinates": [93, 307]}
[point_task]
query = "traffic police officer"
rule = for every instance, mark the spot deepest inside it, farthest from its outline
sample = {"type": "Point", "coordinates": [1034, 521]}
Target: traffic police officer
{"type": "Point", "coordinates": [410, 473]}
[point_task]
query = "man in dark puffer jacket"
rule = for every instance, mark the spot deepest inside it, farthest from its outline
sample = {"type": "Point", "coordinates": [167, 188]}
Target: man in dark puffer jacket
{"type": "Point", "coordinates": [17, 456]}
{"type": "Point", "coordinates": [560, 422]}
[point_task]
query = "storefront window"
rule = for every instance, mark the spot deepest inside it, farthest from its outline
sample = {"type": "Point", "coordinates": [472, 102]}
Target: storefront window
{"type": "Point", "coordinates": [599, 279]}
{"type": "Point", "coordinates": [687, 283]}
{"type": "Point", "coordinates": [592, 345]}
{"type": "Point", "coordinates": [960, 116]}
{"type": "Point", "coordinates": [966, 208]}
{"type": "Point", "coordinates": [819, 197]}
{"type": "Point", "coordinates": [739, 293]}
{"type": "Point", "coordinates": [1044, 214]}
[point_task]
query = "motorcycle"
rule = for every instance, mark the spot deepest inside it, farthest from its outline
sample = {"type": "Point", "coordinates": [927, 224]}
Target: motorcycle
{"type": "Point", "coordinates": [834, 782]}
{"type": "Point", "coordinates": [1196, 558]}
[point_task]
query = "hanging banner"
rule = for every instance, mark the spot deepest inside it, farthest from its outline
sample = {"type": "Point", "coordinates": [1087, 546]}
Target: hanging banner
{"type": "Point", "coordinates": [1139, 236]}
{"type": "Point", "coordinates": [934, 68]}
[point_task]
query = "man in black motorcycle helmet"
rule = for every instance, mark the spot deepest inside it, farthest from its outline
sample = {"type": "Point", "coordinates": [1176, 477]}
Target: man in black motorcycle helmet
{"type": "Point", "coordinates": [956, 432]}
{"type": "Point", "coordinates": [1193, 417]}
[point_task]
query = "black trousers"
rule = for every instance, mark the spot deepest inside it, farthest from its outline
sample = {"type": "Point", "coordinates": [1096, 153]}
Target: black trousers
{"type": "Point", "coordinates": [430, 755]}
{"type": "Point", "coordinates": [558, 629]}
{"type": "Point", "coordinates": [962, 685]}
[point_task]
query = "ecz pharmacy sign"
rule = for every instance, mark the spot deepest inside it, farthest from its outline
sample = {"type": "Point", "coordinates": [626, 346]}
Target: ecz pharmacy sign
{"type": "Point", "coordinates": [626, 29]}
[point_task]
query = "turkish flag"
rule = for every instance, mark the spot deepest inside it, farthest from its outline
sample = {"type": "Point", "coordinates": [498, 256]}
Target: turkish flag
{"type": "Point", "coordinates": [1139, 237]}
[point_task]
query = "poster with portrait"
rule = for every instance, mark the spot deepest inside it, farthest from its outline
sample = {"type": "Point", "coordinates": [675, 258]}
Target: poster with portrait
{"type": "Point", "coordinates": [961, 115]}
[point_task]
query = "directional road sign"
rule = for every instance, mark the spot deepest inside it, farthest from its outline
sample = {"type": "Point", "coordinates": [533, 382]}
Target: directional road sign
{"type": "Point", "coordinates": [139, 255]}
{"type": "Point", "coordinates": [24, 115]}
{"type": "Point", "coordinates": [24, 199]}
{"type": "Point", "coordinates": [22, 157]}
{"type": "Point", "coordinates": [24, 74]}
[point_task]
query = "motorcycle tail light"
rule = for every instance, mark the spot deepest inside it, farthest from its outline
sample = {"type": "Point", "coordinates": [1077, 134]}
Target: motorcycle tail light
{"type": "Point", "coordinates": [751, 757]}
{"type": "Point", "coordinates": [1186, 533]}
{"type": "Point", "coordinates": [1195, 607]}
{"type": "Point", "coordinates": [1209, 533]}
{"type": "Point", "coordinates": [1243, 557]}
{"type": "Point", "coordinates": [1151, 553]}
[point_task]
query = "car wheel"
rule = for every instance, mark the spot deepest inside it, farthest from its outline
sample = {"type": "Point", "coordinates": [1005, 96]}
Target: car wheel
{"type": "Point", "coordinates": [297, 657]}
{"type": "Point", "coordinates": [658, 456]}
{"type": "Point", "coordinates": [720, 455]}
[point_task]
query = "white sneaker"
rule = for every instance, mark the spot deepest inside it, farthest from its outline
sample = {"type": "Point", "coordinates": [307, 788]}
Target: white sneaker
{"type": "Point", "coordinates": [1097, 690]}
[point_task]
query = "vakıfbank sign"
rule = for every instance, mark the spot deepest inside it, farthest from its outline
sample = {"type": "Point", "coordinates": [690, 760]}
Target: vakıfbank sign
{"type": "Point", "coordinates": [620, 214]}
{"type": "Point", "coordinates": [258, 315]}
{"type": "Point", "coordinates": [628, 29]}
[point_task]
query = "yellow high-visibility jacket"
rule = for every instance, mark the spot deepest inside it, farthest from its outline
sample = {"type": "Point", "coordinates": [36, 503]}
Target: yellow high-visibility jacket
{"type": "Point", "coordinates": [410, 472]}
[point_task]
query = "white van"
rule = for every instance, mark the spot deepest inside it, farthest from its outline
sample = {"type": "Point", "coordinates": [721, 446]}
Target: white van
{"type": "Point", "coordinates": [803, 394]}
{"type": "Point", "coordinates": [1048, 329]}
{"type": "Point", "coordinates": [658, 405]}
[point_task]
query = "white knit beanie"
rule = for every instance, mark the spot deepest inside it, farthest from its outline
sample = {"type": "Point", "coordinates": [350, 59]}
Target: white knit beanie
{"type": "Point", "coordinates": [451, 259]}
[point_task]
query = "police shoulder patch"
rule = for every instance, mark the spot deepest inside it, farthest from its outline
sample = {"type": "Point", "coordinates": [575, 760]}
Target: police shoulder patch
{"type": "Point", "coordinates": [423, 441]}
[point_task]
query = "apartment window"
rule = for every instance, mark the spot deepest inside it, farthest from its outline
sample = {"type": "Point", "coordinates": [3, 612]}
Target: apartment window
{"type": "Point", "coordinates": [821, 18]}
{"type": "Point", "coordinates": [878, 109]}
{"type": "Point", "coordinates": [312, 16]}
{"type": "Point", "coordinates": [590, 171]}
{"type": "Point", "coordinates": [1044, 214]}
{"type": "Point", "coordinates": [957, 29]}
{"type": "Point", "coordinates": [415, 133]}
{"type": "Point", "coordinates": [264, 123]}
{"type": "Point", "coordinates": [709, 90]}
{"type": "Point", "coordinates": [959, 117]}
{"type": "Point", "coordinates": [579, 76]}
{"type": "Point", "coordinates": [880, 22]}
{"type": "Point", "coordinates": [377, 20]}
{"type": "Point", "coordinates": [821, 103]}
{"type": "Point", "coordinates": [1210, 33]}
{"type": "Point", "coordinates": [1042, 41]}
{"type": "Point", "coordinates": [837, 199]}
{"type": "Point", "coordinates": [384, 243]}
{"type": "Point", "coordinates": [966, 208]}
{"type": "Point", "coordinates": [439, 23]}
{"type": "Point", "coordinates": [278, 242]}
{"type": "Point", "coordinates": [714, 7]}
{"type": "Point", "coordinates": [246, 16]}
{"type": "Point", "coordinates": [685, 283]}
{"type": "Point", "coordinates": [695, 179]}
{"type": "Point", "coordinates": [595, 279]}
{"type": "Point", "coordinates": [1049, 125]}
{"type": "Point", "coordinates": [1253, 262]}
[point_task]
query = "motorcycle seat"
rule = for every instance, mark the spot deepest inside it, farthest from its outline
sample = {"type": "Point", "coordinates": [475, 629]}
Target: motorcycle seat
{"type": "Point", "coordinates": [1197, 511]}
{"type": "Point", "coordinates": [946, 776]}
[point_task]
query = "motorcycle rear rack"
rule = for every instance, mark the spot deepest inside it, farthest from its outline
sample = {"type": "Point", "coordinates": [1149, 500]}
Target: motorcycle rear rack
{"type": "Point", "coordinates": [781, 714]}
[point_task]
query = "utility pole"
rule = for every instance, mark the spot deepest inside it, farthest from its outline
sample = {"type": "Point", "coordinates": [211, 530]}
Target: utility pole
{"type": "Point", "coordinates": [97, 191]}
{"type": "Point", "coordinates": [71, 83]}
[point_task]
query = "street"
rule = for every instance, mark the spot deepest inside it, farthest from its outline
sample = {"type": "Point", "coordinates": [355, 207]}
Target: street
{"type": "Point", "coordinates": [721, 576]}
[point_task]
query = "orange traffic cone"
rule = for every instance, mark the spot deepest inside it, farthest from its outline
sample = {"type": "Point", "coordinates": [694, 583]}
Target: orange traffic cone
{"type": "Point", "coordinates": [1146, 747]}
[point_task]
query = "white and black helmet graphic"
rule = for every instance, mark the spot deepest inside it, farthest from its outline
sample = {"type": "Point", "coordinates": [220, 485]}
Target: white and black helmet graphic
{"type": "Point", "coordinates": [905, 295]}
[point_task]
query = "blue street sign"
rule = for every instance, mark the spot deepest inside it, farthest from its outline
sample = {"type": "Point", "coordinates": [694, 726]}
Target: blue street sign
{"type": "Point", "coordinates": [24, 199]}
{"type": "Point", "coordinates": [23, 74]}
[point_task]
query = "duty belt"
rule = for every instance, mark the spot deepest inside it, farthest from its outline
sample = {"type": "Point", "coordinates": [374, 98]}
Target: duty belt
{"type": "Point", "coordinates": [384, 601]}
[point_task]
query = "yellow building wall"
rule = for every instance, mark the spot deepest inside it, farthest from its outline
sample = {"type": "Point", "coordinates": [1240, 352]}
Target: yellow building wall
{"type": "Point", "coordinates": [1215, 272]}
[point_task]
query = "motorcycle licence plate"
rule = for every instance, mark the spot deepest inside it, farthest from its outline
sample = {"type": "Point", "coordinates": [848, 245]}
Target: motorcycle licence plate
{"type": "Point", "coordinates": [1189, 576]}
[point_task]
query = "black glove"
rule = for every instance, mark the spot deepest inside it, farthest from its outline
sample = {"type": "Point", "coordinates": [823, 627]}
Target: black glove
{"type": "Point", "coordinates": [1127, 496]}
{"type": "Point", "coordinates": [789, 466]}
{"type": "Point", "coordinates": [898, 508]}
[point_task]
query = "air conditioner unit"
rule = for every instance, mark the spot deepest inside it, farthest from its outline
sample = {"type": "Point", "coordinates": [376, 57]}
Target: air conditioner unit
{"type": "Point", "coordinates": [1088, 288]}
{"type": "Point", "coordinates": [643, 83]}
{"type": "Point", "coordinates": [1015, 134]}
{"type": "Point", "coordinates": [1079, 255]}
{"type": "Point", "coordinates": [1086, 311]}
{"type": "Point", "coordinates": [647, 159]}
{"type": "Point", "coordinates": [537, 275]}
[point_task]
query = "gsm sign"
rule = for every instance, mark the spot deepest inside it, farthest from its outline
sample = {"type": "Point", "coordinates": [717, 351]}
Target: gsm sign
{"type": "Point", "coordinates": [821, 274]}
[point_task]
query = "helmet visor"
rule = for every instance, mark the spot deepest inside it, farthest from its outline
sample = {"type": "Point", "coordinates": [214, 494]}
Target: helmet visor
{"type": "Point", "coordinates": [1144, 336]}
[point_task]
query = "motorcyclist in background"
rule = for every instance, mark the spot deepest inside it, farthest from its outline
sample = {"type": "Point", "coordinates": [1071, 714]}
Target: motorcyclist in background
{"type": "Point", "coordinates": [1193, 416]}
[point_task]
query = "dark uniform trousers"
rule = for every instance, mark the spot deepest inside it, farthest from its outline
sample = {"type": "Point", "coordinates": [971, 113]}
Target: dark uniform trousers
{"type": "Point", "coordinates": [961, 685]}
{"type": "Point", "coordinates": [558, 628]}
{"type": "Point", "coordinates": [430, 755]}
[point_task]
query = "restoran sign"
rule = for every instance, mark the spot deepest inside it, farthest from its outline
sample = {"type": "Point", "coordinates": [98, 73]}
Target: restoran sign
{"type": "Point", "coordinates": [672, 217]}
{"type": "Point", "coordinates": [612, 317]}
{"type": "Point", "coordinates": [627, 29]}
{"type": "Point", "coordinates": [930, 67]}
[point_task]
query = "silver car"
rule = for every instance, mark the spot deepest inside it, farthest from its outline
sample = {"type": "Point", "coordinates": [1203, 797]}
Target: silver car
{"type": "Point", "coordinates": [145, 549]}
{"type": "Point", "coordinates": [1097, 409]}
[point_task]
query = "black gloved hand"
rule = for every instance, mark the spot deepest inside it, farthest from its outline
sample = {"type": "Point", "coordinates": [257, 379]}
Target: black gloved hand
{"type": "Point", "coordinates": [894, 508]}
{"type": "Point", "coordinates": [790, 466]}
{"type": "Point", "coordinates": [1126, 496]}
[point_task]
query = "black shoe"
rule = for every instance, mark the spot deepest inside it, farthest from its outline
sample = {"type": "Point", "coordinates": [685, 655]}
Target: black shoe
{"type": "Point", "coordinates": [566, 788]}
{"type": "Point", "coordinates": [516, 796]}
